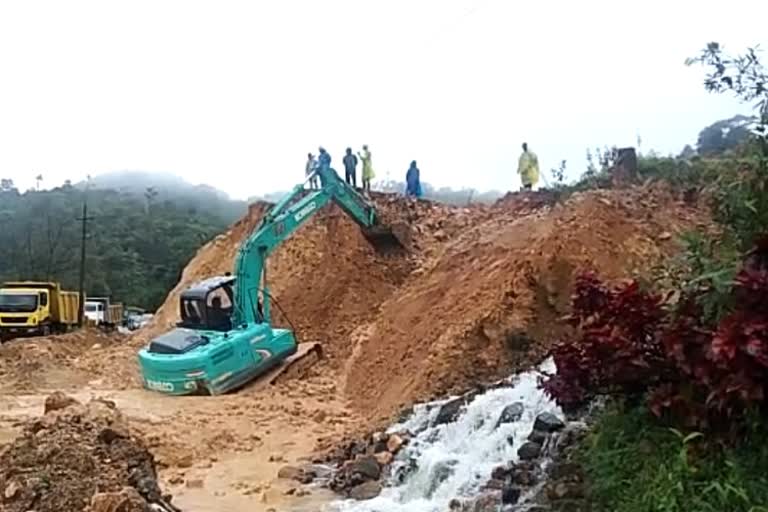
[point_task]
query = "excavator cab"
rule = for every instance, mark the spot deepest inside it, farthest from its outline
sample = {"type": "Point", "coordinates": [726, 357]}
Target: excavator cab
{"type": "Point", "coordinates": [208, 305]}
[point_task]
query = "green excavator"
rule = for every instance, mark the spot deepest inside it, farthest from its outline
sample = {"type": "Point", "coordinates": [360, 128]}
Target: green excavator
{"type": "Point", "coordinates": [225, 337]}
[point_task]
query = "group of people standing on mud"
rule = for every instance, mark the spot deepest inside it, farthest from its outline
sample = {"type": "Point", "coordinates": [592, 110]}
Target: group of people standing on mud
{"type": "Point", "coordinates": [350, 161]}
{"type": "Point", "coordinates": [527, 169]}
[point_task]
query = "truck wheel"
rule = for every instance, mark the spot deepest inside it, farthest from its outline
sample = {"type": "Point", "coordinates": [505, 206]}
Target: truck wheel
{"type": "Point", "coordinates": [46, 330]}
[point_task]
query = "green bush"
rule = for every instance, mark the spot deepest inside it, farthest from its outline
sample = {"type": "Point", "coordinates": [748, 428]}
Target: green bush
{"type": "Point", "coordinates": [635, 465]}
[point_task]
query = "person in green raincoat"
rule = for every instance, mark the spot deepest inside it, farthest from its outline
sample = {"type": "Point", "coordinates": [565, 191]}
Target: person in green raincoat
{"type": "Point", "coordinates": [368, 173]}
{"type": "Point", "coordinates": [528, 168]}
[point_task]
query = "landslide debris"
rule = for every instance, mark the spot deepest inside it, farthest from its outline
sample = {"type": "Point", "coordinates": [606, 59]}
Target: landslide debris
{"type": "Point", "coordinates": [491, 298]}
{"type": "Point", "coordinates": [78, 457]}
{"type": "Point", "coordinates": [480, 293]}
{"type": "Point", "coordinates": [53, 361]}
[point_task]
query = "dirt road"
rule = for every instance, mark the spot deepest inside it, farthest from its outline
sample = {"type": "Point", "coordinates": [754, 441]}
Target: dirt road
{"type": "Point", "coordinates": [214, 454]}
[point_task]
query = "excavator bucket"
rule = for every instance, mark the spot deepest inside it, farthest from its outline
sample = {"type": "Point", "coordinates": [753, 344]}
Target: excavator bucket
{"type": "Point", "coordinates": [388, 239]}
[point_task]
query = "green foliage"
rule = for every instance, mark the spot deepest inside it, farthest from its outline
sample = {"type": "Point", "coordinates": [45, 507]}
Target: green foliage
{"type": "Point", "coordinates": [136, 248]}
{"type": "Point", "coordinates": [680, 172]}
{"type": "Point", "coordinates": [703, 271]}
{"type": "Point", "coordinates": [740, 200]}
{"type": "Point", "coordinates": [635, 465]}
{"type": "Point", "coordinates": [724, 135]}
{"type": "Point", "coordinates": [558, 174]}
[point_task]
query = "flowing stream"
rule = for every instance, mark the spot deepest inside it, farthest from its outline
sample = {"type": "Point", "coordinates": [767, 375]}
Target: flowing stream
{"type": "Point", "coordinates": [454, 460]}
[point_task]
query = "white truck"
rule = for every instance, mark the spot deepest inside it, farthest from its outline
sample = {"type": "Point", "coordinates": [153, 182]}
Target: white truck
{"type": "Point", "coordinates": [100, 312]}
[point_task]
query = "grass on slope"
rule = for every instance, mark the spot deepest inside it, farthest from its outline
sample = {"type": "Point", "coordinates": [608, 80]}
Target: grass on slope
{"type": "Point", "coordinates": [635, 465]}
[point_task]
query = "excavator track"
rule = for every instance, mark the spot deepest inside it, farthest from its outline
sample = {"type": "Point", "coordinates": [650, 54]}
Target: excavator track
{"type": "Point", "coordinates": [296, 366]}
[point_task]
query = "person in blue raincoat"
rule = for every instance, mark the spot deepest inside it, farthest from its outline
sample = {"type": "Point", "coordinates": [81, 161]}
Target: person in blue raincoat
{"type": "Point", "coordinates": [413, 181]}
{"type": "Point", "coordinates": [323, 163]}
{"type": "Point", "coordinates": [324, 159]}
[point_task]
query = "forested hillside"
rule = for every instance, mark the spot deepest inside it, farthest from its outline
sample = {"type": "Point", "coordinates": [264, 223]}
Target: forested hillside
{"type": "Point", "coordinates": [137, 243]}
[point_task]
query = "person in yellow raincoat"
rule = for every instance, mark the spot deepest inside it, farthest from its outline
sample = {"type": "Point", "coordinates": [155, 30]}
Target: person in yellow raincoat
{"type": "Point", "coordinates": [368, 173]}
{"type": "Point", "coordinates": [528, 168]}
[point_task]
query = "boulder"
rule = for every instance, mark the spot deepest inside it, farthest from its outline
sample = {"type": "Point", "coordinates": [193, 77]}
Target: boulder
{"type": "Point", "coordinates": [366, 466]}
{"type": "Point", "coordinates": [317, 471]}
{"type": "Point", "coordinates": [548, 422]}
{"type": "Point", "coordinates": [394, 443]}
{"type": "Point", "coordinates": [365, 491]}
{"type": "Point", "coordinates": [500, 473]}
{"type": "Point", "coordinates": [290, 473]}
{"type": "Point", "coordinates": [524, 476]}
{"type": "Point", "coordinates": [379, 441]}
{"type": "Point", "coordinates": [564, 491]}
{"type": "Point", "coordinates": [384, 458]}
{"type": "Point", "coordinates": [538, 436]}
{"type": "Point", "coordinates": [510, 495]}
{"type": "Point", "coordinates": [529, 450]}
{"type": "Point", "coordinates": [511, 413]}
{"type": "Point", "coordinates": [495, 484]}
{"type": "Point", "coordinates": [12, 489]}
{"type": "Point", "coordinates": [58, 401]}
{"type": "Point", "coordinates": [125, 500]}
{"type": "Point", "coordinates": [565, 471]}
{"type": "Point", "coordinates": [487, 502]}
{"type": "Point", "coordinates": [449, 411]}
{"type": "Point", "coordinates": [108, 435]}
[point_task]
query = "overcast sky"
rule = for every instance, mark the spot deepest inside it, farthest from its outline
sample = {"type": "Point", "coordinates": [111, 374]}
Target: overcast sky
{"type": "Point", "coordinates": [235, 93]}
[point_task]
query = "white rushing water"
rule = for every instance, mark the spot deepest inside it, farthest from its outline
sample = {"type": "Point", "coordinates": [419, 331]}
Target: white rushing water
{"type": "Point", "coordinates": [456, 459]}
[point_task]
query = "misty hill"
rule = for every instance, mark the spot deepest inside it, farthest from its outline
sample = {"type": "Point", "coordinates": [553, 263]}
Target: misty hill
{"type": "Point", "coordinates": [162, 186]}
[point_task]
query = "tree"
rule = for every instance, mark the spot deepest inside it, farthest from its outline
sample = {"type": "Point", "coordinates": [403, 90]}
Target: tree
{"type": "Point", "coordinates": [559, 174]}
{"type": "Point", "coordinates": [688, 152]}
{"type": "Point", "coordinates": [149, 195]}
{"type": "Point", "coordinates": [6, 185]}
{"type": "Point", "coordinates": [132, 257]}
{"type": "Point", "coordinates": [724, 135]}
{"type": "Point", "coordinates": [741, 199]}
{"type": "Point", "coordinates": [743, 76]}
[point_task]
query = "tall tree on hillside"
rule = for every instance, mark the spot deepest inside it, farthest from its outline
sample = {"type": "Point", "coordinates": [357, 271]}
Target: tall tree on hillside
{"type": "Point", "coordinates": [132, 257]}
{"type": "Point", "coordinates": [149, 195]}
{"type": "Point", "coordinates": [6, 185]}
{"type": "Point", "coordinates": [724, 135]}
{"type": "Point", "coordinates": [745, 77]}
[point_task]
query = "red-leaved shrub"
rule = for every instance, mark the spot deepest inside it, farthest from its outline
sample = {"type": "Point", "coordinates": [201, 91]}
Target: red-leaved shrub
{"type": "Point", "coordinates": [629, 344]}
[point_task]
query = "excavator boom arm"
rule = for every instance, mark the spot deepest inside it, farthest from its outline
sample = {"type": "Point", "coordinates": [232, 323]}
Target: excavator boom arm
{"type": "Point", "coordinates": [278, 225]}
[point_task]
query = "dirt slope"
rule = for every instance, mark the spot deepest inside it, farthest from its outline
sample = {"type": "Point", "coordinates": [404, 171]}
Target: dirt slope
{"type": "Point", "coordinates": [479, 294]}
{"type": "Point", "coordinates": [491, 301]}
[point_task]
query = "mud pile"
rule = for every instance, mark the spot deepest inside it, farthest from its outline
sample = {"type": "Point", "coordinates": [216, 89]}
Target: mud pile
{"type": "Point", "coordinates": [52, 361]}
{"type": "Point", "coordinates": [78, 458]}
{"type": "Point", "coordinates": [491, 301]}
{"type": "Point", "coordinates": [480, 292]}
